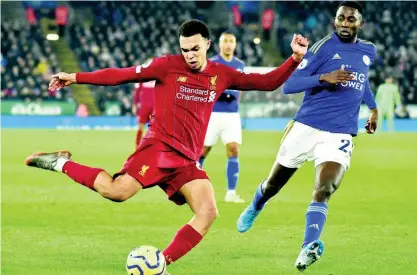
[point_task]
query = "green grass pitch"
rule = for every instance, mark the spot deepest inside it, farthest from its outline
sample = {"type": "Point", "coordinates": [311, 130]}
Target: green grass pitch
{"type": "Point", "coordinates": [51, 225]}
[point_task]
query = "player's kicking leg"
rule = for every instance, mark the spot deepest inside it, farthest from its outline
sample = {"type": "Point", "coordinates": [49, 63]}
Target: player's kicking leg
{"type": "Point", "coordinates": [277, 178]}
{"type": "Point", "coordinates": [328, 178]}
{"type": "Point", "coordinates": [292, 155]}
{"type": "Point", "coordinates": [199, 195]}
{"type": "Point", "coordinates": [119, 189]}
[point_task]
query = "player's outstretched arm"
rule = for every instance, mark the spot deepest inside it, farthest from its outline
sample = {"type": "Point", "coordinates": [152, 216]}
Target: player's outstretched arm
{"type": "Point", "coordinates": [274, 79]}
{"type": "Point", "coordinates": [154, 69]}
{"type": "Point", "coordinates": [299, 82]}
{"type": "Point", "coordinates": [105, 77]}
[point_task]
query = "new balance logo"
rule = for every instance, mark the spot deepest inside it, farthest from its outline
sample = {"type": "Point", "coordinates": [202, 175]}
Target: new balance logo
{"type": "Point", "coordinates": [336, 56]}
{"type": "Point", "coordinates": [182, 79]}
{"type": "Point", "coordinates": [314, 225]}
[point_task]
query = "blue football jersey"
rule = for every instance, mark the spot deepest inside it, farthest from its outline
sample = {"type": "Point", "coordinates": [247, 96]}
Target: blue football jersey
{"type": "Point", "coordinates": [328, 107]}
{"type": "Point", "coordinates": [228, 104]}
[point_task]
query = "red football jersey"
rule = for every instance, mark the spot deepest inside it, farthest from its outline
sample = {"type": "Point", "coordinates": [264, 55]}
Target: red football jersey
{"type": "Point", "coordinates": [184, 98]}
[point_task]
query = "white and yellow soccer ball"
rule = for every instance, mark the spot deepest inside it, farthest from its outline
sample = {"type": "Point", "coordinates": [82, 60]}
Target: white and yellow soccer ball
{"type": "Point", "coordinates": [146, 260]}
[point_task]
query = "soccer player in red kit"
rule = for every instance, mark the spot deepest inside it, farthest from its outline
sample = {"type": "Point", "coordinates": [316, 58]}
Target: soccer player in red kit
{"type": "Point", "coordinates": [186, 89]}
{"type": "Point", "coordinates": [142, 106]}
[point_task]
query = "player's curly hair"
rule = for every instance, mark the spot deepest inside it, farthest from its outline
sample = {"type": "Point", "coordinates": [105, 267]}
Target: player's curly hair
{"type": "Point", "coordinates": [354, 5]}
{"type": "Point", "coordinates": [193, 27]}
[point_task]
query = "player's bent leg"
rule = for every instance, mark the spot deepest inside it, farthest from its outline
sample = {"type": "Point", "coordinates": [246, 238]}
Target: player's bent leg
{"type": "Point", "coordinates": [117, 190]}
{"type": "Point", "coordinates": [291, 155]}
{"type": "Point", "coordinates": [94, 178]}
{"type": "Point", "coordinates": [278, 177]}
{"type": "Point", "coordinates": [199, 195]}
{"type": "Point", "coordinates": [232, 172]}
{"type": "Point", "coordinates": [204, 154]}
{"type": "Point", "coordinates": [328, 178]}
{"type": "Point", "coordinates": [232, 149]}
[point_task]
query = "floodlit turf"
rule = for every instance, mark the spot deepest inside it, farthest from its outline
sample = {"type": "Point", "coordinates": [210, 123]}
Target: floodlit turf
{"type": "Point", "coordinates": [51, 225]}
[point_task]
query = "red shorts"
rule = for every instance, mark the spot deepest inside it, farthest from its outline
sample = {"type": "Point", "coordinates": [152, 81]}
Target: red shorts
{"type": "Point", "coordinates": [156, 163]}
{"type": "Point", "coordinates": [144, 114]}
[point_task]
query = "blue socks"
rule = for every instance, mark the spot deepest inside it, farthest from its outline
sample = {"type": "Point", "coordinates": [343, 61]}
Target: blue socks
{"type": "Point", "coordinates": [232, 172]}
{"type": "Point", "coordinates": [259, 200]}
{"type": "Point", "coordinates": [315, 217]}
{"type": "Point", "coordinates": [315, 220]}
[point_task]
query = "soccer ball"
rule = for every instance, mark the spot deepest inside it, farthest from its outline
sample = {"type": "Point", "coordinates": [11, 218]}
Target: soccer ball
{"type": "Point", "coordinates": [145, 260]}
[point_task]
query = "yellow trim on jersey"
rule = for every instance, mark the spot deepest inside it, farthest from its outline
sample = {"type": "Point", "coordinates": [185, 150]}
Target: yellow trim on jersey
{"type": "Point", "coordinates": [315, 48]}
{"type": "Point", "coordinates": [287, 130]}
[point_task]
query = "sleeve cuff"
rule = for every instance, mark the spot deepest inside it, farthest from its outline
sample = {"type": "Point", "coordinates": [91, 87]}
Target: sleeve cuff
{"type": "Point", "coordinates": [77, 78]}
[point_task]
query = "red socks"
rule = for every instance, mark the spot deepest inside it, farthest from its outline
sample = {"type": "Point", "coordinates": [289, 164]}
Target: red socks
{"type": "Point", "coordinates": [138, 137]}
{"type": "Point", "coordinates": [185, 240]}
{"type": "Point", "coordinates": [82, 174]}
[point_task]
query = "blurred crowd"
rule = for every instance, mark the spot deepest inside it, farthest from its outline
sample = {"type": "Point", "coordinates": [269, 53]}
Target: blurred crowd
{"type": "Point", "coordinates": [125, 34]}
{"type": "Point", "coordinates": [122, 34]}
{"type": "Point", "coordinates": [27, 62]}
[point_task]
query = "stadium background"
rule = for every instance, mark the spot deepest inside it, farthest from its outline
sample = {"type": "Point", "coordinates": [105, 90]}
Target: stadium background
{"type": "Point", "coordinates": [50, 226]}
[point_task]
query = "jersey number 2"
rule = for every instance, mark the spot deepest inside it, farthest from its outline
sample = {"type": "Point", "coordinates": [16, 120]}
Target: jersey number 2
{"type": "Point", "coordinates": [346, 144]}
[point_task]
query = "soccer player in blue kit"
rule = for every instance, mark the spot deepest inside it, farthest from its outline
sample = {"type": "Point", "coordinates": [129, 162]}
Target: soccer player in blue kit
{"type": "Point", "coordinates": [225, 119]}
{"type": "Point", "coordinates": [334, 77]}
